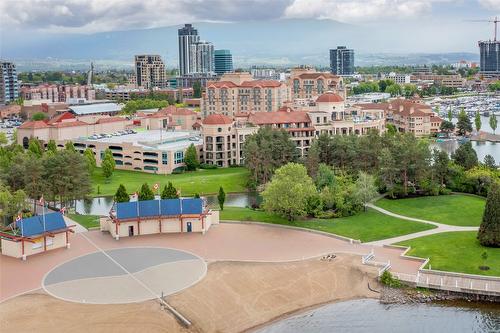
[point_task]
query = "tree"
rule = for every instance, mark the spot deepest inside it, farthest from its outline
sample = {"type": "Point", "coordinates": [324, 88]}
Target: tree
{"type": "Point", "coordinates": [325, 177]}
{"type": "Point", "coordinates": [169, 192]}
{"type": "Point", "coordinates": [394, 89]}
{"type": "Point", "coordinates": [489, 162]}
{"type": "Point", "coordinates": [108, 163]}
{"type": "Point", "coordinates": [447, 126]}
{"type": "Point", "coordinates": [3, 139]}
{"type": "Point", "coordinates": [69, 146]}
{"type": "Point", "coordinates": [51, 146]}
{"type": "Point", "coordinates": [11, 203]}
{"type": "Point", "coordinates": [391, 129]}
{"type": "Point", "coordinates": [450, 115]}
{"type": "Point", "coordinates": [489, 231]}
{"type": "Point", "coordinates": [197, 89]}
{"type": "Point", "coordinates": [191, 158]}
{"type": "Point", "coordinates": [35, 148]}
{"type": "Point", "coordinates": [90, 158]}
{"type": "Point", "coordinates": [410, 90]}
{"type": "Point", "coordinates": [34, 181]}
{"type": "Point", "coordinates": [477, 121]}
{"type": "Point", "coordinates": [465, 156]}
{"type": "Point", "coordinates": [464, 125]}
{"type": "Point", "coordinates": [121, 194]}
{"type": "Point", "coordinates": [365, 189]}
{"type": "Point", "coordinates": [493, 123]}
{"type": "Point", "coordinates": [221, 198]}
{"type": "Point", "coordinates": [440, 161]}
{"type": "Point", "coordinates": [267, 150]}
{"type": "Point", "coordinates": [39, 116]}
{"type": "Point", "coordinates": [146, 193]}
{"type": "Point", "coordinates": [288, 191]}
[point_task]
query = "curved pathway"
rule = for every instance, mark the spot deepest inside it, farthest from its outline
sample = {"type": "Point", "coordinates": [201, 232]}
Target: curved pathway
{"type": "Point", "coordinates": [440, 228]}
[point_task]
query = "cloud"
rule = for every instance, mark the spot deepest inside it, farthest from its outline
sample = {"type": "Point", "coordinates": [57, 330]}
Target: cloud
{"type": "Point", "coordinates": [490, 4]}
{"type": "Point", "coordinates": [88, 16]}
{"type": "Point", "coordinates": [358, 10]}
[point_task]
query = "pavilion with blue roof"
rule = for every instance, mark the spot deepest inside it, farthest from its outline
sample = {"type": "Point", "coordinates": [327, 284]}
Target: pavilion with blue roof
{"type": "Point", "coordinates": [35, 234]}
{"type": "Point", "coordinates": [159, 216]}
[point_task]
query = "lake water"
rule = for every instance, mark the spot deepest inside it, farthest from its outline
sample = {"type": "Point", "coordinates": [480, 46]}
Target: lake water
{"type": "Point", "coordinates": [368, 315]}
{"type": "Point", "coordinates": [102, 205]}
{"type": "Point", "coordinates": [482, 148]}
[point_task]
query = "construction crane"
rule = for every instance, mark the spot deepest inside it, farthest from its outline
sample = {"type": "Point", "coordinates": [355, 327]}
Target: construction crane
{"type": "Point", "coordinates": [491, 21]}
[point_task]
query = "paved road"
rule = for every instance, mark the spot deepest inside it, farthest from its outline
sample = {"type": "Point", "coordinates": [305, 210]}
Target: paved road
{"type": "Point", "coordinates": [440, 228]}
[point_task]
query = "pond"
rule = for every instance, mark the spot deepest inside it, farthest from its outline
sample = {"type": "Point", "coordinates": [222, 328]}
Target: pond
{"type": "Point", "coordinates": [368, 315]}
{"type": "Point", "coordinates": [102, 205]}
{"type": "Point", "coordinates": [482, 148]}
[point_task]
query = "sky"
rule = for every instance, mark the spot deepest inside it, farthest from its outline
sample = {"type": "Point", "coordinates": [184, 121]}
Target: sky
{"type": "Point", "coordinates": [428, 19]}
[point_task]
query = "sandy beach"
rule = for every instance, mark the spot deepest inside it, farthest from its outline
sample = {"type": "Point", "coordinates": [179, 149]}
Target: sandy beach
{"type": "Point", "coordinates": [233, 297]}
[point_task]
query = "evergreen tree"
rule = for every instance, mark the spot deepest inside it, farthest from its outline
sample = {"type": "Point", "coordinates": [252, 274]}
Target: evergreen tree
{"type": "Point", "coordinates": [146, 193]}
{"type": "Point", "coordinates": [121, 194]}
{"type": "Point", "coordinates": [464, 124]}
{"type": "Point", "coordinates": [221, 198]}
{"type": "Point", "coordinates": [450, 115]}
{"type": "Point", "coordinates": [447, 126]}
{"type": "Point", "coordinates": [51, 146]}
{"type": "Point", "coordinates": [493, 123]}
{"type": "Point", "coordinates": [169, 192]}
{"type": "Point", "coordinates": [90, 158]}
{"type": "Point", "coordinates": [191, 158]}
{"type": "Point", "coordinates": [196, 196]}
{"type": "Point", "coordinates": [35, 148]}
{"type": "Point", "coordinates": [108, 164]}
{"type": "Point", "coordinates": [489, 161]}
{"type": "Point", "coordinates": [70, 147]}
{"type": "Point", "coordinates": [465, 156]}
{"type": "Point", "coordinates": [489, 231]}
{"type": "Point", "coordinates": [197, 89]}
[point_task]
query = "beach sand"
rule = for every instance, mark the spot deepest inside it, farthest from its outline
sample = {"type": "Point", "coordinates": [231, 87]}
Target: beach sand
{"type": "Point", "coordinates": [233, 297]}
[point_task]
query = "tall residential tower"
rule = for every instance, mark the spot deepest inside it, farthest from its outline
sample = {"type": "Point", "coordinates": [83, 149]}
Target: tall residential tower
{"type": "Point", "coordinates": [489, 58]}
{"type": "Point", "coordinates": [149, 71]}
{"type": "Point", "coordinates": [187, 36]}
{"type": "Point", "coordinates": [342, 61]}
{"type": "Point", "coordinates": [9, 88]}
{"type": "Point", "coordinates": [223, 61]}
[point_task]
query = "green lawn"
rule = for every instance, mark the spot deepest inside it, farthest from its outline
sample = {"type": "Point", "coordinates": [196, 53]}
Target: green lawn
{"type": "Point", "coordinates": [88, 221]}
{"type": "Point", "coordinates": [455, 209]}
{"type": "Point", "coordinates": [457, 251]}
{"type": "Point", "coordinates": [201, 181]}
{"type": "Point", "coordinates": [369, 226]}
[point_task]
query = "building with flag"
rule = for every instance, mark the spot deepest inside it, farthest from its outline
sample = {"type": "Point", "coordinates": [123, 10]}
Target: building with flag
{"type": "Point", "coordinates": [159, 216]}
{"type": "Point", "coordinates": [35, 234]}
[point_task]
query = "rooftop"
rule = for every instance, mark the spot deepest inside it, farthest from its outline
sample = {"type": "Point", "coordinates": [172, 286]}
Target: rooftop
{"type": "Point", "coordinates": [96, 108]}
{"type": "Point", "coordinates": [164, 140]}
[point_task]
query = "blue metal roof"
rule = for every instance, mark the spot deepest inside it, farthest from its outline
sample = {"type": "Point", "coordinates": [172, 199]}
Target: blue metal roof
{"type": "Point", "coordinates": [34, 225]}
{"type": "Point", "coordinates": [164, 207]}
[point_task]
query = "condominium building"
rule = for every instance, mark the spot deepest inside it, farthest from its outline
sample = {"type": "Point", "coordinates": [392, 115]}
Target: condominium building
{"type": "Point", "coordinates": [53, 93]}
{"type": "Point", "coordinates": [342, 61]}
{"type": "Point", "coordinates": [187, 35]}
{"type": "Point", "coordinates": [201, 57]}
{"type": "Point", "coordinates": [223, 61]}
{"type": "Point", "coordinates": [238, 92]}
{"type": "Point", "coordinates": [489, 55]}
{"type": "Point", "coordinates": [149, 71]}
{"type": "Point", "coordinates": [445, 80]}
{"type": "Point", "coordinates": [306, 85]}
{"type": "Point", "coordinates": [267, 74]}
{"type": "Point", "coordinates": [411, 116]}
{"type": "Point", "coordinates": [9, 87]}
{"type": "Point", "coordinates": [225, 136]}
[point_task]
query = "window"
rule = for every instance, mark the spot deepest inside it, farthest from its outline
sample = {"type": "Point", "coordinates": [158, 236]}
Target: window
{"type": "Point", "coordinates": [179, 157]}
{"type": "Point", "coordinates": [164, 158]}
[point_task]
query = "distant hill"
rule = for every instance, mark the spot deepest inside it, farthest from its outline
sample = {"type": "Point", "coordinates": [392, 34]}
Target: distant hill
{"type": "Point", "coordinates": [278, 42]}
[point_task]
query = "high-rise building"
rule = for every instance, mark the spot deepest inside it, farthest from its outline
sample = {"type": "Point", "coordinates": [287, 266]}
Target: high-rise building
{"type": "Point", "coordinates": [342, 61]}
{"type": "Point", "coordinates": [223, 61]}
{"type": "Point", "coordinates": [201, 57]}
{"type": "Point", "coordinates": [489, 57]}
{"type": "Point", "coordinates": [149, 71]}
{"type": "Point", "coordinates": [187, 36]}
{"type": "Point", "coordinates": [9, 88]}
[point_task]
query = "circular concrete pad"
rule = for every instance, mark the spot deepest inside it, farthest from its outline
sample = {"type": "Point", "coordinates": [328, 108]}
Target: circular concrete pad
{"type": "Point", "coordinates": [124, 275]}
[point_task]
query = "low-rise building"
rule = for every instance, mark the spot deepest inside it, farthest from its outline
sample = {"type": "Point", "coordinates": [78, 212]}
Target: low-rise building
{"type": "Point", "coordinates": [148, 217]}
{"type": "Point", "coordinates": [305, 84]}
{"type": "Point", "coordinates": [54, 93]}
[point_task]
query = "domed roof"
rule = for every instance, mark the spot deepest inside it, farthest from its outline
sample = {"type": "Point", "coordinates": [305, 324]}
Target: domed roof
{"type": "Point", "coordinates": [217, 119]}
{"type": "Point", "coordinates": [329, 97]}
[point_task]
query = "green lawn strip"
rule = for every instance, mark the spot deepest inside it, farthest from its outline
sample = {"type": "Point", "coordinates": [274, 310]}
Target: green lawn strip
{"type": "Point", "coordinates": [87, 221]}
{"type": "Point", "coordinates": [457, 251]}
{"type": "Point", "coordinates": [455, 209]}
{"type": "Point", "coordinates": [366, 226]}
{"type": "Point", "coordinates": [189, 183]}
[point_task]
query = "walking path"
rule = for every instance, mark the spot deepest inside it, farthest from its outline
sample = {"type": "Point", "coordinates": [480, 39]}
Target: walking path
{"type": "Point", "coordinates": [440, 228]}
{"type": "Point", "coordinates": [78, 227]}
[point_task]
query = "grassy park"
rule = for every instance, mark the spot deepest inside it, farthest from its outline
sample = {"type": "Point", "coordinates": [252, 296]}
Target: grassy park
{"type": "Point", "coordinates": [366, 226]}
{"type": "Point", "coordinates": [189, 183]}
{"type": "Point", "coordinates": [87, 221]}
{"type": "Point", "coordinates": [455, 209]}
{"type": "Point", "coordinates": [455, 251]}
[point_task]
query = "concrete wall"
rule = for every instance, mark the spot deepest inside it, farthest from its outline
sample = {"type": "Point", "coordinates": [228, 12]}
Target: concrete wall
{"type": "Point", "coordinates": [14, 249]}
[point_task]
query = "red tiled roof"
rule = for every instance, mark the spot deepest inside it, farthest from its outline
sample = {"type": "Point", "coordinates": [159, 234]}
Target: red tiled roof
{"type": "Point", "coordinates": [329, 97]}
{"type": "Point", "coordinates": [376, 106]}
{"type": "Point", "coordinates": [217, 119]}
{"type": "Point", "coordinates": [242, 114]}
{"type": "Point", "coordinates": [63, 116]}
{"type": "Point", "coordinates": [221, 84]}
{"type": "Point", "coordinates": [69, 124]}
{"type": "Point", "coordinates": [405, 107]}
{"type": "Point", "coordinates": [261, 83]}
{"type": "Point", "coordinates": [436, 119]}
{"type": "Point", "coordinates": [34, 124]}
{"type": "Point", "coordinates": [109, 120]}
{"type": "Point", "coordinates": [279, 117]}
{"type": "Point", "coordinates": [196, 125]}
{"type": "Point", "coordinates": [183, 112]}
{"type": "Point", "coordinates": [317, 75]}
